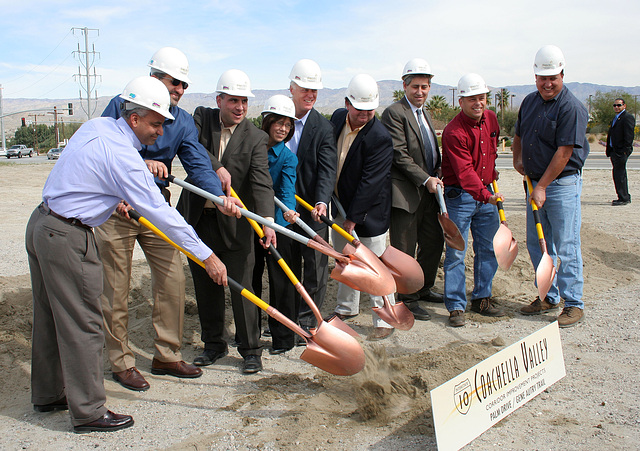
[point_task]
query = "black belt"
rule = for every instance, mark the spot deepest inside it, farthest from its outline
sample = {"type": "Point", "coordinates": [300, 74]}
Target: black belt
{"type": "Point", "coordinates": [73, 221]}
{"type": "Point", "coordinates": [562, 175]}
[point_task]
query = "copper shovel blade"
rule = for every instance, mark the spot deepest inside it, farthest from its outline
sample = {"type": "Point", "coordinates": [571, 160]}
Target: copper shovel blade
{"type": "Point", "coordinates": [397, 315]}
{"type": "Point", "coordinates": [328, 348]}
{"type": "Point", "coordinates": [364, 272]}
{"type": "Point", "coordinates": [333, 351]}
{"type": "Point", "coordinates": [452, 234]}
{"type": "Point", "coordinates": [406, 270]}
{"type": "Point", "coordinates": [545, 273]}
{"type": "Point", "coordinates": [505, 247]}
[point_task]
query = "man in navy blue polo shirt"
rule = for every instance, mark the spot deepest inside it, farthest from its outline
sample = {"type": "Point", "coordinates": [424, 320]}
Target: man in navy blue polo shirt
{"type": "Point", "coordinates": [118, 235]}
{"type": "Point", "coordinates": [550, 147]}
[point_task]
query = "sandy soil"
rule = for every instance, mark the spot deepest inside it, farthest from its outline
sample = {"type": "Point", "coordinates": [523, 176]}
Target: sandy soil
{"type": "Point", "coordinates": [291, 405]}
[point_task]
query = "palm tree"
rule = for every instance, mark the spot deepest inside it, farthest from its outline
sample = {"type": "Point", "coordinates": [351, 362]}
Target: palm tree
{"type": "Point", "coordinates": [398, 95]}
{"type": "Point", "coordinates": [437, 104]}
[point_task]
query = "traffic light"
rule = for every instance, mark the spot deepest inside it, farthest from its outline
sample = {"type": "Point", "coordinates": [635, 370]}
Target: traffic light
{"type": "Point", "coordinates": [70, 109]}
{"type": "Point", "coordinates": [23, 123]}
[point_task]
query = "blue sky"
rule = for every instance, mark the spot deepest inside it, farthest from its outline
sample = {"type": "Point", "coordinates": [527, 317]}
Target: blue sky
{"type": "Point", "coordinates": [495, 38]}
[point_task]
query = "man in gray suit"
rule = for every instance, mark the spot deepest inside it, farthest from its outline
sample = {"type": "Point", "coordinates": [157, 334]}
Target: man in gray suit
{"type": "Point", "coordinates": [414, 176]}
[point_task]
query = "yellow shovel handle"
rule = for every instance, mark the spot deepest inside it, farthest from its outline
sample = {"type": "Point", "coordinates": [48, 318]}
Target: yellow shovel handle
{"type": "Point", "coordinates": [503, 218]}
{"type": "Point", "coordinates": [276, 254]}
{"type": "Point", "coordinates": [243, 291]}
{"type": "Point", "coordinates": [347, 236]}
{"type": "Point", "coordinates": [534, 207]}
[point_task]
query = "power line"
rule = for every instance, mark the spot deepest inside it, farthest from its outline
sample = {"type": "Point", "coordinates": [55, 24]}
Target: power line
{"type": "Point", "coordinates": [45, 76]}
{"type": "Point", "coordinates": [44, 59]}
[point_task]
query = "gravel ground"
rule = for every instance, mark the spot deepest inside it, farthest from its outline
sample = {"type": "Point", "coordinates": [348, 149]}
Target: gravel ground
{"type": "Point", "coordinates": [292, 405]}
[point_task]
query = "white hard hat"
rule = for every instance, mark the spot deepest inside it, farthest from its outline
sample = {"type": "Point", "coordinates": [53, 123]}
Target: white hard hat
{"type": "Point", "coordinates": [362, 92]}
{"type": "Point", "coordinates": [549, 61]}
{"type": "Point", "coordinates": [417, 66]}
{"type": "Point", "coordinates": [171, 61]}
{"type": "Point", "coordinates": [471, 85]}
{"type": "Point", "coordinates": [235, 83]}
{"type": "Point", "coordinates": [281, 105]}
{"type": "Point", "coordinates": [306, 74]}
{"type": "Point", "coordinates": [149, 93]}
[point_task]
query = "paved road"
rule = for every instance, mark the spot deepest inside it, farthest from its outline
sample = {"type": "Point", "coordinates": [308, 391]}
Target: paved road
{"type": "Point", "coordinates": [596, 160]}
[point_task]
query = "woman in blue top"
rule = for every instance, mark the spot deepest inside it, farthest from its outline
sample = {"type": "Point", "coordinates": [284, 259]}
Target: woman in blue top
{"type": "Point", "coordinates": [278, 118]}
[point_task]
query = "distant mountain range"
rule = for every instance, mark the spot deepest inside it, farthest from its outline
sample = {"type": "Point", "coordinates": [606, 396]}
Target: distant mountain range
{"type": "Point", "coordinates": [328, 101]}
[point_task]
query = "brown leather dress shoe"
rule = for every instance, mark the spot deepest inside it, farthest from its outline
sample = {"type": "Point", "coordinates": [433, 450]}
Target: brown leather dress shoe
{"type": "Point", "coordinates": [60, 404]}
{"type": "Point", "coordinates": [131, 379]}
{"type": "Point", "coordinates": [106, 423]}
{"type": "Point", "coordinates": [380, 333]}
{"type": "Point", "coordinates": [177, 369]}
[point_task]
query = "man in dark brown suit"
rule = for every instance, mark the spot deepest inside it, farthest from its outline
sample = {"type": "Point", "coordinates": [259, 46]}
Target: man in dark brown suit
{"type": "Point", "coordinates": [234, 143]}
{"type": "Point", "coordinates": [414, 176]}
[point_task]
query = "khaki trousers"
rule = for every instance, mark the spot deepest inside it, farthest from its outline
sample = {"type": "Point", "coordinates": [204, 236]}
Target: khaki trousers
{"type": "Point", "coordinates": [116, 240]}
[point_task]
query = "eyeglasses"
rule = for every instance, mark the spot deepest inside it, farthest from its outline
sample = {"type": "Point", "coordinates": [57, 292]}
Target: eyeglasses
{"type": "Point", "coordinates": [282, 123]}
{"type": "Point", "coordinates": [618, 104]}
{"type": "Point", "coordinates": [175, 81]}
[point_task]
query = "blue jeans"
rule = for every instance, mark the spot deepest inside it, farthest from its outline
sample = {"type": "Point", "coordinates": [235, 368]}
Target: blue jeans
{"type": "Point", "coordinates": [484, 221]}
{"type": "Point", "coordinates": [561, 219]}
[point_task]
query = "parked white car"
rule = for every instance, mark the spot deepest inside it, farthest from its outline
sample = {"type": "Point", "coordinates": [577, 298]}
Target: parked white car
{"type": "Point", "coordinates": [54, 153]}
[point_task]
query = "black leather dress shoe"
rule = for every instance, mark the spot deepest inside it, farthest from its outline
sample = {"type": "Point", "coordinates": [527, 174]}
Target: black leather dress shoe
{"type": "Point", "coordinates": [418, 312]}
{"type": "Point", "coordinates": [617, 203]}
{"type": "Point", "coordinates": [252, 364]}
{"type": "Point", "coordinates": [60, 404]}
{"type": "Point", "coordinates": [108, 422]}
{"type": "Point", "coordinates": [209, 357]}
{"type": "Point", "coordinates": [432, 296]}
{"type": "Point", "coordinates": [278, 351]}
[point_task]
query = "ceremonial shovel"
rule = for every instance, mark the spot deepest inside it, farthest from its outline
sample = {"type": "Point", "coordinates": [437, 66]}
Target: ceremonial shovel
{"type": "Point", "coordinates": [397, 315]}
{"type": "Point", "coordinates": [334, 320]}
{"type": "Point", "coordinates": [328, 348]}
{"type": "Point", "coordinates": [405, 269]}
{"type": "Point", "coordinates": [546, 271]}
{"type": "Point", "coordinates": [450, 230]}
{"type": "Point", "coordinates": [357, 270]}
{"type": "Point", "coordinates": [505, 246]}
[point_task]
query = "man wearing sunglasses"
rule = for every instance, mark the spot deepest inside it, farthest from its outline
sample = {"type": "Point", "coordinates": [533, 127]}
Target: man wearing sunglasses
{"type": "Point", "coordinates": [117, 237]}
{"type": "Point", "coordinates": [619, 147]}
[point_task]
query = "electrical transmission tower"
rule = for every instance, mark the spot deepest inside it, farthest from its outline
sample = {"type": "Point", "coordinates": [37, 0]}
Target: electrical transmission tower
{"type": "Point", "coordinates": [87, 80]}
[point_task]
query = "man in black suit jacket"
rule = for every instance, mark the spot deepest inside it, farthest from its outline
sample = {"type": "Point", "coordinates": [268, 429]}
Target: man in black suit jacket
{"type": "Point", "coordinates": [235, 143]}
{"type": "Point", "coordinates": [365, 154]}
{"type": "Point", "coordinates": [619, 147]}
{"type": "Point", "coordinates": [414, 176]}
{"type": "Point", "coordinates": [314, 144]}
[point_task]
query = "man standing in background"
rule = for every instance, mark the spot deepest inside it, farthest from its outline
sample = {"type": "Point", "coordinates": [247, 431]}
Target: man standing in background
{"type": "Point", "coordinates": [619, 148]}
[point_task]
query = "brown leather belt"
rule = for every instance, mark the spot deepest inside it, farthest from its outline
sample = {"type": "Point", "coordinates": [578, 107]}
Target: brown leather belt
{"type": "Point", "coordinates": [72, 221]}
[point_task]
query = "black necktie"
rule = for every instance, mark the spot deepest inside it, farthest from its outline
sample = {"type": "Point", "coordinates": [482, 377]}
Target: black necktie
{"type": "Point", "coordinates": [428, 149]}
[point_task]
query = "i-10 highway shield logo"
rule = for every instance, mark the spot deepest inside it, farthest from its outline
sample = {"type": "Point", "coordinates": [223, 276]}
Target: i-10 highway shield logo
{"type": "Point", "coordinates": [462, 396]}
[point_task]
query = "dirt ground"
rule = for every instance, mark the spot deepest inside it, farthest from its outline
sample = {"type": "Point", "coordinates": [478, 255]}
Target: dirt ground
{"type": "Point", "coordinates": [291, 405]}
